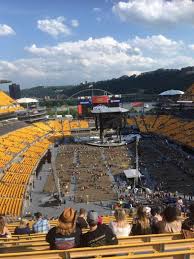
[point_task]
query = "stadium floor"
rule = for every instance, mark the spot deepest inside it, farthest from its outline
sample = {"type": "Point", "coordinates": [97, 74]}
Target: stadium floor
{"type": "Point", "coordinates": [39, 199]}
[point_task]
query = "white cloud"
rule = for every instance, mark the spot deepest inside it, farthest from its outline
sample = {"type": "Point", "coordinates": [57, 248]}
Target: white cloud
{"type": "Point", "coordinates": [191, 46]}
{"type": "Point", "coordinates": [93, 59]}
{"type": "Point", "coordinates": [156, 11]}
{"type": "Point", "coordinates": [74, 23]}
{"type": "Point", "coordinates": [97, 9]}
{"type": "Point", "coordinates": [6, 30]}
{"type": "Point", "coordinates": [54, 27]}
{"type": "Point", "coordinates": [157, 44]}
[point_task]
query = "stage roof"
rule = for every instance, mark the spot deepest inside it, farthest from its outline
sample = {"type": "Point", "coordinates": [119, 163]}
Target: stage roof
{"type": "Point", "coordinates": [105, 109]}
{"type": "Point", "coordinates": [172, 92]}
{"type": "Point", "coordinates": [132, 173]}
{"type": "Point", "coordinates": [27, 100]}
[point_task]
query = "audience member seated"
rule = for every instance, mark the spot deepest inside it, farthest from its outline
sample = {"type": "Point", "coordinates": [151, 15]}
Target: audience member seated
{"type": "Point", "coordinates": [179, 204]}
{"type": "Point", "coordinates": [99, 220]}
{"type": "Point", "coordinates": [4, 232]}
{"type": "Point", "coordinates": [188, 224]}
{"type": "Point", "coordinates": [170, 223]}
{"type": "Point", "coordinates": [120, 227]}
{"type": "Point", "coordinates": [98, 235]}
{"type": "Point", "coordinates": [155, 219]}
{"type": "Point", "coordinates": [81, 219]}
{"type": "Point", "coordinates": [66, 235]}
{"type": "Point", "coordinates": [23, 228]}
{"type": "Point", "coordinates": [41, 225]}
{"type": "Point", "coordinates": [141, 223]}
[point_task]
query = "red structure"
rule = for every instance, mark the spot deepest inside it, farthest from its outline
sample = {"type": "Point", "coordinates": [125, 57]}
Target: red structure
{"type": "Point", "coordinates": [102, 99]}
{"type": "Point", "coordinates": [87, 103]}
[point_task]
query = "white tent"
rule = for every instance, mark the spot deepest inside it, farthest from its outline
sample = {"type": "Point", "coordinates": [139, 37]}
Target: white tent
{"type": "Point", "coordinates": [27, 100]}
{"type": "Point", "coordinates": [132, 173]}
{"type": "Point", "coordinates": [171, 92]}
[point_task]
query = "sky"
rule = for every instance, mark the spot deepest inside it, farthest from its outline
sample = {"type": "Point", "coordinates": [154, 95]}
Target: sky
{"type": "Point", "coordinates": [66, 42]}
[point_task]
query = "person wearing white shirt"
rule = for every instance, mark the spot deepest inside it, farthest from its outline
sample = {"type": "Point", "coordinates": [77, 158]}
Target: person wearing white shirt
{"type": "Point", "coordinates": [120, 227]}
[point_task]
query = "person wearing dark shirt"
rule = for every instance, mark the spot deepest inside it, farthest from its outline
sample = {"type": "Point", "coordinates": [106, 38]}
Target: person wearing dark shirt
{"type": "Point", "coordinates": [66, 235]}
{"type": "Point", "coordinates": [23, 228]}
{"type": "Point", "coordinates": [98, 235]}
{"type": "Point", "coordinates": [48, 156]}
{"type": "Point", "coordinates": [141, 223]}
{"type": "Point", "coordinates": [81, 220]}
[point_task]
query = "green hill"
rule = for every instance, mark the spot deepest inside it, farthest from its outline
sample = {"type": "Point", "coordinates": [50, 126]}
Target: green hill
{"type": "Point", "coordinates": [152, 82]}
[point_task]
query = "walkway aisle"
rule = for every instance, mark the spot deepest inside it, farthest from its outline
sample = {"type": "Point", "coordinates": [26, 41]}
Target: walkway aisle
{"type": "Point", "coordinates": [73, 183]}
{"type": "Point", "coordinates": [37, 195]}
{"type": "Point", "coordinates": [112, 179]}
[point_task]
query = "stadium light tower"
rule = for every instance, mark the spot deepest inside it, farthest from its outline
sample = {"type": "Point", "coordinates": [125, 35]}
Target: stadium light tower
{"type": "Point", "coordinates": [91, 86]}
{"type": "Point", "coordinates": [137, 158]}
{"type": "Point", "coordinates": [137, 153]}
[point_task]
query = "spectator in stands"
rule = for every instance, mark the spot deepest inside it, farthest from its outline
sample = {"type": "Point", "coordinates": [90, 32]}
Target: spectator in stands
{"type": "Point", "coordinates": [81, 220]}
{"type": "Point", "coordinates": [170, 222]}
{"type": "Point", "coordinates": [41, 225]}
{"type": "Point", "coordinates": [99, 220]}
{"type": "Point", "coordinates": [4, 232]}
{"type": "Point", "coordinates": [98, 235]}
{"type": "Point", "coordinates": [120, 227]}
{"type": "Point", "coordinates": [23, 228]}
{"type": "Point", "coordinates": [48, 156]}
{"type": "Point", "coordinates": [188, 224]}
{"type": "Point", "coordinates": [66, 235]}
{"type": "Point", "coordinates": [156, 217]}
{"type": "Point", "coordinates": [141, 223]}
{"type": "Point", "coordinates": [179, 204]}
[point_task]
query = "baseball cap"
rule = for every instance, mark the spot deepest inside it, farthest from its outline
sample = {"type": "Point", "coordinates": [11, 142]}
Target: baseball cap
{"type": "Point", "coordinates": [92, 216]}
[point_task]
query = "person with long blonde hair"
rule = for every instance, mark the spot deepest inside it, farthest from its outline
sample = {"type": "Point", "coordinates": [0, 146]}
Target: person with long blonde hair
{"type": "Point", "coordinates": [120, 227]}
{"type": "Point", "coordinates": [141, 223]}
{"type": "Point", "coordinates": [66, 234]}
{"type": "Point", "coordinates": [4, 232]}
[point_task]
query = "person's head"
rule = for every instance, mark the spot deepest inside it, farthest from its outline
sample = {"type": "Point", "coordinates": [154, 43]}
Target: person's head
{"type": "Point", "coordinates": [24, 223]}
{"type": "Point", "coordinates": [170, 214]}
{"type": "Point", "coordinates": [147, 210]}
{"type": "Point", "coordinates": [156, 211]}
{"type": "Point", "coordinates": [82, 212]}
{"type": "Point", "coordinates": [2, 223]}
{"type": "Point", "coordinates": [67, 221]}
{"type": "Point", "coordinates": [143, 219]}
{"type": "Point", "coordinates": [92, 218]}
{"type": "Point", "coordinates": [120, 215]}
{"type": "Point", "coordinates": [141, 212]}
{"type": "Point", "coordinates": [38, 215]}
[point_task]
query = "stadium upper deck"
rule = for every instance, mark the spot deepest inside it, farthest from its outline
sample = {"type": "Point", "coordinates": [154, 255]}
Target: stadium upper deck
{"type": "Point", "coordinates": [7, 104]}
{"type": "Point", "coordinates": [176, 129]}
{"type": "Point", "coordinates": [189, 94]}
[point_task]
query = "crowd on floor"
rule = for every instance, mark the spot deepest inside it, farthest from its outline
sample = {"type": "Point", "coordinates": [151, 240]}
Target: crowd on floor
{"type": "Point", "coordinates": [84, 172]}
{"type": "Point", "coordinates": [169, 167]}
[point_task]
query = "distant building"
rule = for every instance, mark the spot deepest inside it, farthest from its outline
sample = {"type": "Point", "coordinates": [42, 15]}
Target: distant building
{"type": "Point", "coordinates": [14, 91]}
